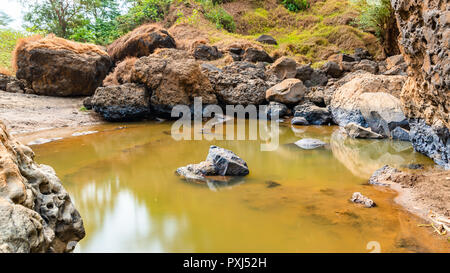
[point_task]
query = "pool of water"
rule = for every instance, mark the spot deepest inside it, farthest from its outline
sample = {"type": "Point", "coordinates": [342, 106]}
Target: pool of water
{"type": "Point", "coordinates": [123, 183]}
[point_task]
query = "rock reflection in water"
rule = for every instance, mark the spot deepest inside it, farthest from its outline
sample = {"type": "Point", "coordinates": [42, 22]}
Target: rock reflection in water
{"type": "Point", "coordinates": [363, 157]}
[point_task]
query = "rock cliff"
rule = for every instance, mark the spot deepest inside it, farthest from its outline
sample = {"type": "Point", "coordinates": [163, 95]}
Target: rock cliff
{"type": "Point", "coordinates": [425, 44]}
{"type": "Point", "coordinates": [36, 212]}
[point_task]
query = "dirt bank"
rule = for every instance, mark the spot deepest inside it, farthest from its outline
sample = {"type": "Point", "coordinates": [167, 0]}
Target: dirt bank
{"type": "Point", "coordinates": [24, 113]}
{"type": "Point", "coordinates": [424, 192]}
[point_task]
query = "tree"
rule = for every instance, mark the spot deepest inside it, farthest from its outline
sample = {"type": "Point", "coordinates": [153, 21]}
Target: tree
{"type": "Point", "coordinates": [377, 16]}
{"type": "Point", "coordinates": [4, 19]}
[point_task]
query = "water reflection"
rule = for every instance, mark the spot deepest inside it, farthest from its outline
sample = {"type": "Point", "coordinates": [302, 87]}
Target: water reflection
{"type": "Point", "coordinates": [363, 157]}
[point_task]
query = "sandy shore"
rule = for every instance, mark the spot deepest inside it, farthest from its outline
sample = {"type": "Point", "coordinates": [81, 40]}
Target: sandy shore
{"type": "Point", "coordinates": [24, 113]}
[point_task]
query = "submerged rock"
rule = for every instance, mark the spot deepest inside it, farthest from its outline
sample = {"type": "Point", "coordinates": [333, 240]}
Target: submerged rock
{"type": "Point", "coordinates": [276, 110]}
{"type": "Point", "coordinates": [358, 198]}
{"type": "Point", "coordinates": [355, 131]}
{"type": "Point", "coordinates": [310, 143]}
{"type": "Point", "coordinates": [122, 102]}
{"type": "Point", "coordinates": [36, 212]}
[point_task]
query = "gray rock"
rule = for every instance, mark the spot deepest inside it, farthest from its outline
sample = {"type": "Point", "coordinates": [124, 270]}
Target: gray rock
{"type": "Point", "coordinates": [310, 143]}
{"type": "Point", "coordinates": [87, 103]}
{"type": "Point", "coordinates": [432, 141]}
{"type": "Point", "coordinates": [255, 55]}
{"type": "Point", "coordinates": [361, 54]}
{"type": "Point", "coordinates": [332, 69]}
{"type": "Point", "coordinates": [122, 102]}
{"type": "Point", "coordinates": [358, 198]}
{"type": "Point", "coordinates": [210, 67]}
{"type": "Point", "coordinates": [400, 134]}
{"type": "Point", "coordinates": [197, 172]}
{"type": "Point", "coordinates": [267, 39]}
{"type": "Point", "coordinates": [207, 53]}
{"type": "Point", "coordinates": [227, 162]}
{"type": "Point", "coordinates": [276, 110]}
{"type": "Point", "coordinates": [366, 65]}
{"type": "Point", "coordinates": [284, 68]}
{"type": "Point", "coordinates": [355, 131]}
{"type": "Point", "coordinates": [299, 121]}
{"type": "Point", "coordinates": [313, 114]}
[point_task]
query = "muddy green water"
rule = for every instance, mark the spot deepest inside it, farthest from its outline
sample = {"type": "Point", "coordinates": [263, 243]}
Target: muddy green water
{"type": "Point", "coordinates": [123, 183]}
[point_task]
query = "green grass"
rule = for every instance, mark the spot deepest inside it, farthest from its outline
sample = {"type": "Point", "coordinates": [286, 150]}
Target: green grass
{"type": "Point", "coordinates": [8, 39]}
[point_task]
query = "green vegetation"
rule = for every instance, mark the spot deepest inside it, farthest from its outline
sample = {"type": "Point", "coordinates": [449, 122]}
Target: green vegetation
{"type": "Point", "coordinates": [217, 15]}
{"type": "Point", "coordinates": [142, 11]}
{"type": "Point", "coordinates": [296, 5]}
{"type": "Point", "coordinates": [8, 39]}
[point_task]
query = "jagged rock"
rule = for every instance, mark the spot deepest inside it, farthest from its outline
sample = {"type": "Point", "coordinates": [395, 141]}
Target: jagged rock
{"type": "Point", "coordinates": [332, 69]}
{"type": "Point", "coordinates": [432, 141]}
{"type": "Point", "coordinates": [87, 103]}
{"type": "Point", "coordinates": [174, 77]}
{"type": "Point", "coordinates": [311, 77]}
{"type": "Point", "coordinates": [122, 102]}
{"type": "Point", "coordinates": [255, 55]}
{"type": "Point", "coordinates": [289, 91]}
{"type": "Point", "coordinates": [240, 83]}
{"type": "Point", "coordinates": [382, 175]}
{"type": "Point", "coordinates": [309, 143]}
{"type": "Point", "coordinates": [267, 39]}
{"type": "Point", "coordinates": [361, 54]}
{"type": "Point", "coordinates": [36, 212]}
{"type": "Point", "coordinates": [207, 53]}
{"type": "Point", "coordinates": [4, 80]}
{"type": "Point", "coordinates": [140, 42]}
{"type": "Point", "coordinates": [299, 121]}
{"type": "Point", "coordinates": [366, 65]}
{"type": "Point", "coordinates": [57, 67]}
{"type": "Point", "coordinates": [346, 58]}
{"type": "Point", "coordinates": [355, 131]}
{"type": "Point", "coordinates": [18, 86]}
{"type": "Point", "coordinates": [210, 67]}
{"type": "Point", "coordinates": [276, 110]}
{"type": "Point", "coordinates": [394, 61]}
{"type": "Point", "coordinates": [370, 101]}
{"type": "Point", "coordinates": [425, 45]}
{"type": "Point", "coordinates": [219, 161]}
{"type": "Point", "coordinates": [313, 114]}
{"type": "Point", "coordinates": [400, 134]}
{"type": "Point", "coordinates": [227, 162]}
{"type": "Point", "coordinates": [358, 198]}
{"type": "Point", "coordinates": [284, 68]}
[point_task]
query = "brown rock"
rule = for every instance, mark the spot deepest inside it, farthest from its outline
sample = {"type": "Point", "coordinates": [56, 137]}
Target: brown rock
{"type": "Point", "coordinates": [57, 67]}
{"type": "Point", "coordinates": [174, 77]}
{"type": "Point", "coordinates": [289, 91]}
{"type": "Point", "coordinates": [284, 68]}
{"type": "Point", "coordinates": [140, 42]}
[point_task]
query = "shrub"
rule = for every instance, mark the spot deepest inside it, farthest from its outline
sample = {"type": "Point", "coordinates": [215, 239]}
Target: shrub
{"type": "Point", "coordinates": [216, 14]}
{"type": "Point", "coordinates": [144, 11]}
{"type": "Point", "coordinates": [296, 5]}
{"type": "Point", "coordinates": [8, 40]}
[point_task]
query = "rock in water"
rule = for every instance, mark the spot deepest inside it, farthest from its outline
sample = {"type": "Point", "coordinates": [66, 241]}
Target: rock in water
{"type": "Point", "coordinates": [57, 67]}
{"type": "Point", "coordinates": [400, 134]}
{"type": "Point", "coordinates": [276, 110]}
{"type": "Point", "coordinates": [140, 42]}
{"type": "Point", "coordinates": [357, 197]}
{"type": "Point", "coordinates": [227, 162]}
{"type": "Point", "coordinates": [36, 212]}
{"type": "Point", "coordinates": [383, 175]}
{"type": "Point", "coordinates": [310, 143]}
{"type": "Point", "coordinates": [299, 121]}
{"type": "Point", "coordinates": [355, 131]}
{"type": "Point", "coordinates": [124, 102]}
{"type": "Point", "coordinates": [219, 162]}
{"type": "Point", "coordinates": [289, 91]}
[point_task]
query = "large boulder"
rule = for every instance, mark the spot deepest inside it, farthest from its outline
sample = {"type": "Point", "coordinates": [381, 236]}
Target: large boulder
{"type": "Point", "coordinates": [284, 68]}
{"type": "Point", "coordinates": [241, 83]}
{"type": "Point", "coordinates": [173, 77]}
{"type": "Point", "coordinates": [425, 45]}
{"type": "Point", "coordinates": [311, 77]}
{"type": "Point", "coordinates": [207, 53]}
{"type": "Point", "coordinates": [57, 67]}
{"type": "Point", "coordinates": [370, 101]}
{"type": "Point", "coordinates": [289, 91]}
{"type": "Point", "coordinates": [36, 212]}
{"type": "Point", "coordinates": [122, 102]}
{"type": "Point", "coordinates": [140, 42]}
